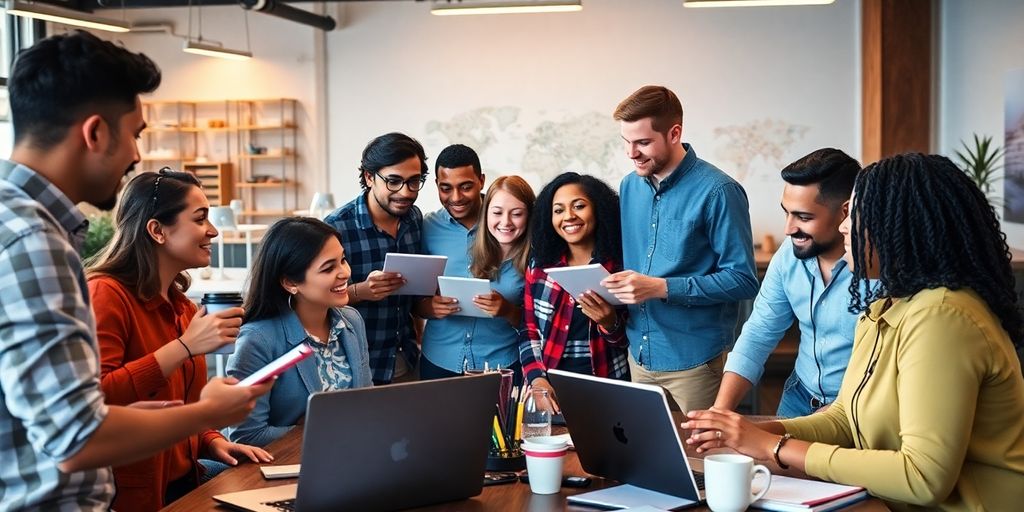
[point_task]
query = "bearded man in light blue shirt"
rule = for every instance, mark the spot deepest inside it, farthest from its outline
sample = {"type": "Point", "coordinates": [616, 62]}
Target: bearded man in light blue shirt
{"type": "Point", "coordinates": [807, 281]}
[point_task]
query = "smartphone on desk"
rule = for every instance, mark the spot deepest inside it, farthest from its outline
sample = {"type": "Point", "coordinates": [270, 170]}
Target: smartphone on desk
{"type": "Point", "coordinates": [567, 481]}
{"type": "Point", "coordinates": [495, 478]}
{"type": "Point", "coordinates": [277, 366]}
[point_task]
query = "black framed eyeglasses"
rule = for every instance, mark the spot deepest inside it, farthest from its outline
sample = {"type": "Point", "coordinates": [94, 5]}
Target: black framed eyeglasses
{"type": "Point", "coordinates": [395, 184]}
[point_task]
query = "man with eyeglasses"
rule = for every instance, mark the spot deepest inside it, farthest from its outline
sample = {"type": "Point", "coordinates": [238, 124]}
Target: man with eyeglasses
{"type": "Point", "coordinates": [380, 220]}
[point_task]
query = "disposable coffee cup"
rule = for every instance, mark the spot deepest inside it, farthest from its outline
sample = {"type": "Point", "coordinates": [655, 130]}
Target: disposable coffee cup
{"type": "Point", "coordinates": [214, 302]}
{"type": "Point", "coordinates": [544, 458]}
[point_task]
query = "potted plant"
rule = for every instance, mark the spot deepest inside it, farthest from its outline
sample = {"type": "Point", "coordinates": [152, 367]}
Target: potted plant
{"type": "Point", "coordinates": [981, 163]}
{"type": "Point", "coordinates": [101, 230]}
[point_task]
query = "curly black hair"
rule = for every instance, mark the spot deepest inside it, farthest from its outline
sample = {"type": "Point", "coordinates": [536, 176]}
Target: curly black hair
{"type": "Point", "coordinates": [548, 247]}
{"type": "Point", "coordinates": [930, 227]}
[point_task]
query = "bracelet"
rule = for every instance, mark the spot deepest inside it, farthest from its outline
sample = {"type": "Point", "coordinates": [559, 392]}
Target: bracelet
{"type": "Point", "coordinates": [778, 446]}
{"type": "Point", "coordinates": [189, 352]}
{"type": "Point", "coordinates": [355, 291]}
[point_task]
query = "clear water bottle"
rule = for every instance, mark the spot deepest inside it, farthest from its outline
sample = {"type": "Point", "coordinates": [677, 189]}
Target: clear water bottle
{"type": "Point", "coordinates": [537, 414]}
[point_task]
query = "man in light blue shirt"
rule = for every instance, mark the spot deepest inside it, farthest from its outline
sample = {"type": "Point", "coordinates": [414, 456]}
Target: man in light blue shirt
{"type": "Point", "coordinates": [807, 281]}
{"type": "Point", "coordinates": [454, 343]}
{"type": "Point", "coordinates": [687, 250]}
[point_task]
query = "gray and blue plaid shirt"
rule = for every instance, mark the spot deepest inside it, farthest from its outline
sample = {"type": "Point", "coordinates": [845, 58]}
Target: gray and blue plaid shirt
{"type": "Point", "coordinates": [389, 320]}
{"type": "Point", "coordinates": [49, 361]}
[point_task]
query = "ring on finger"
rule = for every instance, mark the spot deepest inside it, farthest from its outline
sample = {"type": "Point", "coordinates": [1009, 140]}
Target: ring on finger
{"type": "Point", "coordinates": [718, 434]}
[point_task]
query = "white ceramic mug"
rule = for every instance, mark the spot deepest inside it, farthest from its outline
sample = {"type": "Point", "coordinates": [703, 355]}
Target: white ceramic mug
{"type": "Point", "coordinates": [727, 479]}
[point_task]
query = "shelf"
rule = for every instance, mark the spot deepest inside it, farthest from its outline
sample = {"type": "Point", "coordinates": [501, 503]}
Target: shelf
{"type": "Point", "coordinates": [253, 128]}
{"type": "Point", "coordinates": [246, 156]}
{"type": "Point", "coordinates": [267, 213]}
{"type": "Point", "coordinates": [200, 129]}
{"type": "Point", "coordinates": [157, 159]}
{"type": "Point", "coordinates": [265, 185]}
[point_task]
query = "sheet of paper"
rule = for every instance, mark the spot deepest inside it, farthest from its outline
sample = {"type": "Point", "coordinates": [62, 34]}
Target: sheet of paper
{"type": "Point", "coordinates": [580, 278]}
{"type": "Point", "coordinates": [419, 270]}
{"type": "Point", "coordinates": [464, 289]}
{"type": "Point", "coordinates": [791, 494]}
{"type": "Point", "coordinates": [626, 496]}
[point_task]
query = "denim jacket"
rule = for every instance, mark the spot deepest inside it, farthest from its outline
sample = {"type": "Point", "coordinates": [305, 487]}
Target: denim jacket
{"type": "Point", "coordinates": [263, 341]}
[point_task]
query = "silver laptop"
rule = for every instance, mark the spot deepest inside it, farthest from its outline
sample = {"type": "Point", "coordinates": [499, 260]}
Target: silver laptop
{"type": "Point", "coordinates": [387, 448]}
{"type": "Point", "coordinates": [626, 431]}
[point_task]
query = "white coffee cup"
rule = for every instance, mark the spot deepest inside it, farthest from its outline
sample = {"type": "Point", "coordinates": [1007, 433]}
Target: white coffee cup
{"type": "Point", "coordinates": [727, 479]}
{"type": "Point", "coordinates": [544, 458]}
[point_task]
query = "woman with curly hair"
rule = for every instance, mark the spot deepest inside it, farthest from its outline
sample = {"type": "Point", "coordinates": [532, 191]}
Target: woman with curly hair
{"type": "Point", "coordinates": [929, 412]}
{"type": "Point", "coordinates": [576, 223]}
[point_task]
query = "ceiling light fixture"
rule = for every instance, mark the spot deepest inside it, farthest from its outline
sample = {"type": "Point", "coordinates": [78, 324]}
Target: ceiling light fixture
{"type": "Point", "coordinates": [212, 49]}
{"type": "Point", "coordinates": [521, 7]}
{"type": "Point", "coordinates": [47, 12]}
{"type": "Point", "coordinates": [752, 3]}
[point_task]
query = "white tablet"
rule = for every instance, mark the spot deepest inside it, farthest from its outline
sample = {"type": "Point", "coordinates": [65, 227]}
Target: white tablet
{"type": "Point", "coordinates": [464, 289]}
{"type": "Point", "coordinates": [581, 278]}
{"type": "Point", "coordinates": [281, 471]}
{"type": "Point", "coordinates": [419, 270]}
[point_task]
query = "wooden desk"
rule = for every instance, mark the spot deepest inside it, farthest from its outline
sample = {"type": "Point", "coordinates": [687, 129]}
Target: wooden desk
{"type": "Point", "coordinates": [504, 497]}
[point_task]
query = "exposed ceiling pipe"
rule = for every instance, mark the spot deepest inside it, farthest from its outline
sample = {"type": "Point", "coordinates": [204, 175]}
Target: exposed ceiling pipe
{"type": "Point", "coordinates": [282, 10]}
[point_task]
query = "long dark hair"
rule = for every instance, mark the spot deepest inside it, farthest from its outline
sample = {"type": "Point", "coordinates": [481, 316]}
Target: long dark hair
{"type": "Point", "coordinates": [931, 227]}
{"type": "Point", "coordinates": [548, 247]}
{"type": "Point", "coordinates": [286, 252]}
{"type": "Point", "coordinates": [131, 255]}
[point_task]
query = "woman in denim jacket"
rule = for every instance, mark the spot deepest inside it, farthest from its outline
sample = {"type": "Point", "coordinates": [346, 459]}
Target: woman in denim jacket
{"type": "Point", "coordinates": [298, 294]}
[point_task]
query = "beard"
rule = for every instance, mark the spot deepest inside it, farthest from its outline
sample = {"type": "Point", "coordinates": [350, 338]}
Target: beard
{"type": "Point", "coordinates": [814, 249]}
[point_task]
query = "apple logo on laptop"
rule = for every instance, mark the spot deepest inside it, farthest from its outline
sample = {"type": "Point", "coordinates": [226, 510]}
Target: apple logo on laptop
{"type": "Point", "coordinates": [400, 450]}
{"type": "Point", "coordinates": [620, 433]}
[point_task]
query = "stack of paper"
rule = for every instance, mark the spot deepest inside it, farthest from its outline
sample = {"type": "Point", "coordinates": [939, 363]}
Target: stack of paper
{"type": "Point", "coordinates": [788, 494]}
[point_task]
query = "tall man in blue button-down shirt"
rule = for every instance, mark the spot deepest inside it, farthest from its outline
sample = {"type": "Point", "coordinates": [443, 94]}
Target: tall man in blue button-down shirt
{"type": "Point", "coordinates": [807, 281]}
{"type": "Point", "coordinates": [687, 249]}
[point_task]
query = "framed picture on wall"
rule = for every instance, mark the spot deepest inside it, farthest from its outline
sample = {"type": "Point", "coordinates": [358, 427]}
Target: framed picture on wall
{"type": "Point", "coordinates": [1013, 158]}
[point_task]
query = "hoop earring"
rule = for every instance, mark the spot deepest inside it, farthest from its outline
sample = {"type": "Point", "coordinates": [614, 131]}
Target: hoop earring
{"type": "Point", "coordinates": [290, 305]}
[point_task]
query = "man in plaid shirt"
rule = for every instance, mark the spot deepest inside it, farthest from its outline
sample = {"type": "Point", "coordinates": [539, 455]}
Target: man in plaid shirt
{"type": "Point", "coordinates": [76, 112]}
{"type": "Point", "coordinates": [383, 219]}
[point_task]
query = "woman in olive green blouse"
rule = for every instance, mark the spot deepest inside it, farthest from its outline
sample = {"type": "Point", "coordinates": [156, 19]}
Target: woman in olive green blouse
{"type": "Point", "coordinates": [931, 410]}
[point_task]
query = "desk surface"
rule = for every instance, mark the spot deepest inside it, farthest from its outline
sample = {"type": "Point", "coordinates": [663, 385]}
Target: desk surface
{"type": "Point", "coordinates": [504, 497]}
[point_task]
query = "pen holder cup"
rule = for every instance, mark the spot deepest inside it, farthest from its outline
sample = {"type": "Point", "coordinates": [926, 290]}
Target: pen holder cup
{"type": "Point", "coordinates": [512, 461]}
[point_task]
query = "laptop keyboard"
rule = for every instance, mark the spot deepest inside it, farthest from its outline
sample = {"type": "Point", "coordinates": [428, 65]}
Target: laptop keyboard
{"type": "Point", "coordinates": [697, 476]}
{"type": "Point", "coordinates": [289, 505]}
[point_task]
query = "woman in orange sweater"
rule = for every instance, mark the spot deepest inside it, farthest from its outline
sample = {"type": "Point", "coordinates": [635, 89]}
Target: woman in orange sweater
{"type": "Point", "coordinates": [152, 339]}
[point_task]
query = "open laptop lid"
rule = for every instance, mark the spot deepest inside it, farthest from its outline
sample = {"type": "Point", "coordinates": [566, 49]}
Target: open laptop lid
{"type": "Point", "coordinates": [625, 431]}
{"type": "Point", "coordinates": [396, 446]}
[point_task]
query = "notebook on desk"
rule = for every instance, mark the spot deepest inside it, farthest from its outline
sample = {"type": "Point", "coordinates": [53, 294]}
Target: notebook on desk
{"type": "Point", "coordinates": [387, 448]}
{"type": "Point", "coordinates": [625, 431]}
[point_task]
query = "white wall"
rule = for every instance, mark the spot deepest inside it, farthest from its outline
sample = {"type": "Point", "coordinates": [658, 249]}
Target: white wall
{"type": "Point", "coordinates": [981, 43]}
{"type": "Point", "coordinates": [284, 66]}
{"type": "Point", "coordinates": [393, 66]}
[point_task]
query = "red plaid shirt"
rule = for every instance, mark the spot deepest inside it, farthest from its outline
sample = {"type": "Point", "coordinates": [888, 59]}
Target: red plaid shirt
{"type": "Point", "coordinates": [547, 310]}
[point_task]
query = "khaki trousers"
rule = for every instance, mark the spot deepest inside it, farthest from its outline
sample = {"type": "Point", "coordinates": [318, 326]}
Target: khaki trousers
{"type": "Point", "coordinates": [692, 389]}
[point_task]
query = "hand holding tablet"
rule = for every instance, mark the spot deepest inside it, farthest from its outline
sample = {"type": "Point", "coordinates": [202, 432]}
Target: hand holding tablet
{"type": "Point", "coordinates": [580, 278]}
{"type": "Point", "coordinates": [419, 270]}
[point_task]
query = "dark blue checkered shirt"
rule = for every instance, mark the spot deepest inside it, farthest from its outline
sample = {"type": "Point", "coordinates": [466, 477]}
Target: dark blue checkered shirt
{"type": "Point", "coordinates": [388, 321]}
